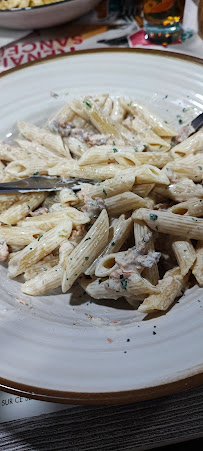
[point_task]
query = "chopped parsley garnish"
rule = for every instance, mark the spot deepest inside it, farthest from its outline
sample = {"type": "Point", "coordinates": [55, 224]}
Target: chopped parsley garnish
{"type": "Point", "coordinates": [121, 276]}
{"type": "Point", "coordinates": [115, 150]}
{"type": "Point", "coordinates": [114, 143]}
{"type": "Point", "coordinates": [184, 110]}
{"type": "Point", "coordinates": [88, 104]}
{"type": "Point", "coordinates": [153, 216]}
{"type": "Point", "coordinates": [166, 122]}
{"type": "Point", "coordinates": [104, 191]}
{"type": "Point", "coordinates": [166, 96]}
{"type": "Point", "coordinates": [124, 283]}
{"type": "Point", "coordinates": [200, 167]}
{"type": "Point", "coordinates": [89, 238]}
{"type": "Point", "coordinates": [39, 237]}
{"type": "Point", "coordinates": [112, 244]}
{"type": "Point", "coordinates": [71, 258]}
{"type": "Point", "coordinates": [160, 147]}
{"type": "Point", "coordinates": [135, 149]}
{"type": "Point", "coordinates": [180, 121]}
{"type": "Point", "coordinates": [86, 258]}
{"type": "Point", "coordinates": [31, 249]}
{"type": "Point", "coordinates": [36, 173]}
{"type": "Point", "coordinates": [194, 219]}
{"type": "Point", "coordinates": [98, 184]}
{"type": "Point", "coordinates": [99, 281]}
{"type": "Point", "coordinates": [144, 146]}
{"type": "Point", "coordinates": [28, 207]}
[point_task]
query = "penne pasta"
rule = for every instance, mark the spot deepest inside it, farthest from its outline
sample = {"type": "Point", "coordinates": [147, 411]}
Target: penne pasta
{"type": "Point", "coordinates": [22, 208]}
{"type": "Point", "coordinates": [152, 141]}
{"type": "Point", "coordinates": [192, 207]}
{"type": "Point", "coordinates": [127, 156]}
{"type": "Point", "coordinates": [125, 202]}
{"type": "Point", "coordinates": [140, 232]}
{"type": "Point", "coordinates": [181, 191]}
{"type": "Point", "coordinates": [190, 166]}
{"type": "Point", "coordinates": [39, 248]}
{"type": "Point", "coordinates": [173, 224]}
{"type": "Point", "coordinates": [98, 118]}
{"type": "Point", "coordinates": [42, 136]}
{"type": "Point", "coordinates": [18, 236]}
{"type": "Point", "coordinates": [41, 266]}
{"type": "Point", "coordinates": [197, 269]}
{"type": "Point", "coordinates": [49, 220]}
{"type": "Point", "coordinates": [136, 286]}
{"type": "Point", "coordinates": [86, 251]}
{"type": "Point", "coordinates": [143, 189]}
{"type": "Point", "coordinates": [185, 254]}
{"type": "Point", "coordinates": [155, 122]}
{"type": "Point", "coordinates": [34, 149]}
{"type": "Point", "coordinates": [118, 233]}
{"type": "Point", "coordinates": [43, 282]}
{"type": "Point", "coordinates": [169, 288]}
{"type": "Point", "coordinates": [191, 145]}
{"type": "Point", "coordinates": [135, 214]}
{"type": "Point", "coordinates": [108, 188]}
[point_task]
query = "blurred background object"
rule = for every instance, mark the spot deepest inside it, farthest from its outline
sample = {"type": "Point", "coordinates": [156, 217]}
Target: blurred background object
{"type": "Point", "coordinates": [163, 19]}
{"type": "Point", "coordinates": [200, 19]}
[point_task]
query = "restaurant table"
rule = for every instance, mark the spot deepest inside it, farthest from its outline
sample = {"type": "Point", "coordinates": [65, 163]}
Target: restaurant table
{"type": "Point", "coordinates": [175, 420]}
{"type": "Point", "coordinates": [138, 426]}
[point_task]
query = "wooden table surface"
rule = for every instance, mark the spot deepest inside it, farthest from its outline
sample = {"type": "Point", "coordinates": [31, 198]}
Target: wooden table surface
{"type": "Point", "coordinates": [139, 426]}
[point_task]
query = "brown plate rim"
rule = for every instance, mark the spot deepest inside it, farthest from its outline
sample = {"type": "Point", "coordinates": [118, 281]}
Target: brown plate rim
{"type": "Point", "coordinates": [105, 398]}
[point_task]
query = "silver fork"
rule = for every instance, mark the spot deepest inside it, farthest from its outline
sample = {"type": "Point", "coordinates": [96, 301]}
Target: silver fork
{"type": "Point", "coordinates": [42, 183]}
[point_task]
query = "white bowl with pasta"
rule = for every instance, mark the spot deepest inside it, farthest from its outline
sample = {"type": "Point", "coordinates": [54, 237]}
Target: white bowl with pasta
{"type": "Point", "coordinates": [34, 14]}
{"type": "Point", "coordinates": [81, 341]}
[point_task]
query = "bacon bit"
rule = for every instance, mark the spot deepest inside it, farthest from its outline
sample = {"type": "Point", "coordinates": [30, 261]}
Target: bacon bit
{"type": "Point", "coordinates": [89, 316]}
{"type": "Point", "coordinates": [40, 211]}
{"type": "Point", "coordinates": [162, 206]}
{"type": "Point", "coordinates": [109, 340]}
{"type": "Point", "coordinates": [21, 301]}
{"type": "Point", "coordinates": [114, 322]}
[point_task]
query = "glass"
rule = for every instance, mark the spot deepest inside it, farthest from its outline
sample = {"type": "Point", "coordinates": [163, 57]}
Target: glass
{"type": "Point", "coordinates": [162, 20]}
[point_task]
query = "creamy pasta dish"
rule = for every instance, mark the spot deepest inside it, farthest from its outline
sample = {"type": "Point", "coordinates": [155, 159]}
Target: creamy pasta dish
{"type": "Point", "coordinates": [9, 4]}
{"type": "Point", "coordinates": [135, 232]}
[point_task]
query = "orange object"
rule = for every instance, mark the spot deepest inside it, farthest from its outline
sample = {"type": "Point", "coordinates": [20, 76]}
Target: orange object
{"type": "Point", "coordinates": [153, 7]}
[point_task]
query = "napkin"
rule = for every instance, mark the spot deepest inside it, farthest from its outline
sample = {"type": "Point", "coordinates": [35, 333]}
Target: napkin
{"type": "Point", "coordinates": [7, 36]}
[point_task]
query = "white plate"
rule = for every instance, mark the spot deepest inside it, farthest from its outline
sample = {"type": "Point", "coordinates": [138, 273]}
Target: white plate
{"type": "Point", "coordinates": [46, 15]}
{"type": "Point", "coordinates": [57, 345]}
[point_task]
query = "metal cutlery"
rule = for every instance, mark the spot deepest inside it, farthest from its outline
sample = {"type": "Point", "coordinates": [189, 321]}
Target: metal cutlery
{"type": "Point", "coordinates": [42, 183]}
